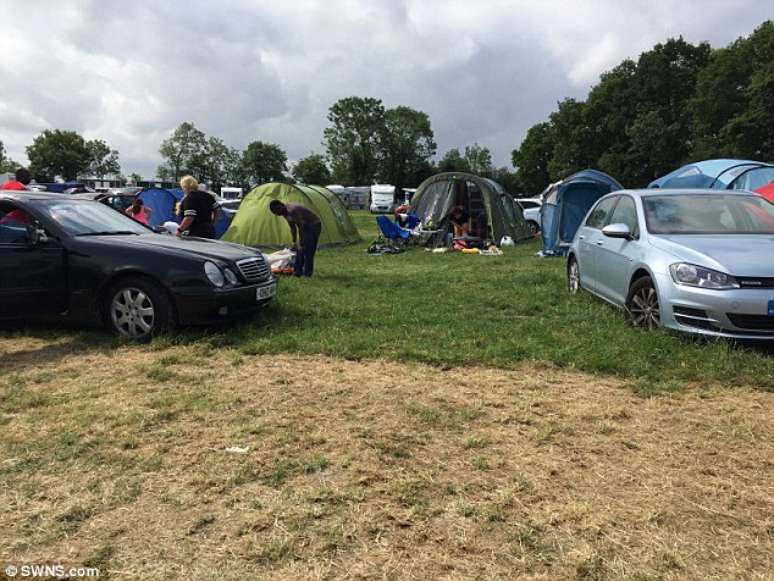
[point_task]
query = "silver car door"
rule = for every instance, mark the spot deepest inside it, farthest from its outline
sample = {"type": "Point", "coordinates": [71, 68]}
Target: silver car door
{"type": "Point", "coordinates": [588, 242]}
{"type": "Point", "coordinates": [615, 256]}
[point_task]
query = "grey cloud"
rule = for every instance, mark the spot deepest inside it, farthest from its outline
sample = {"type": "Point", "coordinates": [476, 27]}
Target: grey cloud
{"type": "Point", "coordinates": [129, 72]}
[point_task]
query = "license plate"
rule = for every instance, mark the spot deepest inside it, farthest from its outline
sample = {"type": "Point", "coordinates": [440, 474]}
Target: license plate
{"type": "Point", "coordinates": [771, 308]}
{"type": "Point", "coordinates": [265, 292]}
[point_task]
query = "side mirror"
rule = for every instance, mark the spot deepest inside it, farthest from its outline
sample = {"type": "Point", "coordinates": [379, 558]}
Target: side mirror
{"type": "Point", "coordinates": [617, 231]}
{"type": "Point", "coordinates": [35, 236]}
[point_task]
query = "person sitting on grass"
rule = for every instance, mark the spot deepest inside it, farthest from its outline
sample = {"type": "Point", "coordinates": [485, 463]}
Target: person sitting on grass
{"type": "Point", "coordinates": [460, 221]}
{"type": "Point", "coordinates": [305, 228]}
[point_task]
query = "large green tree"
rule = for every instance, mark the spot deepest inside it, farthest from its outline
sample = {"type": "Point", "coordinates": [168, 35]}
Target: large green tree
{"type": "Point", "coordinates": [509, 180]}
{"type": "Point", "coordinates": [184, 152]}
{"type": "Point", "coordinates": [58, 153]}
{"type": "Point", "coordinates": [103, 161]}
{"type": "Point", "coordinates": [312, 170]}
{"type": "Point", "coordinates": [354, 139]}
{"type": "Point", "coordinates": [729, 106]}
{"type": "Point", "coordinates": [7, 165]}
{"type": "Point", "coordinates": [217, 165]}
{"type": "Point", "coordinates": [264, 162]}
{"type": "Point", "coordinates": [453, 160]}
{"type": "Point", "coordinates": [479, 160]}
{"type": "Point", "coordinates": [407, 147]}
{"type": "Point", "coordinates": [531, 159]}
{"type": "Point", "coordinates": [635, 123]}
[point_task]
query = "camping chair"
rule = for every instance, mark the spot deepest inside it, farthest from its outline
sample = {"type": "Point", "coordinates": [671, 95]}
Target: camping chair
{"type": "Point", "coordinates": [389, 230]}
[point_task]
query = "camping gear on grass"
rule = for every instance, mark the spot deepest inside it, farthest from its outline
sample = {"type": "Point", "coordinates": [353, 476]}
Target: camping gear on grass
{"type": "Point", "coordinates": [490, 207]}
{"type": "Point", "coordinates": [565, 205]}
{"type": "Point", "coordinates": [255, 225]}
{"type": "Point", "coordinates": [282, 261]}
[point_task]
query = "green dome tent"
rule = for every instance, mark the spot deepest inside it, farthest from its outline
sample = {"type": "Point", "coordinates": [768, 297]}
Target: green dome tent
{"type": "Point", "coordinates": [255, 225]}
{"type": "Point", "coordinates": [481, 197]}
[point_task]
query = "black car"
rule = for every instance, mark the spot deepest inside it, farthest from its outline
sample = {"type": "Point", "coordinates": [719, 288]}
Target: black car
{"type": "Point", "coordinates": [61, 257]}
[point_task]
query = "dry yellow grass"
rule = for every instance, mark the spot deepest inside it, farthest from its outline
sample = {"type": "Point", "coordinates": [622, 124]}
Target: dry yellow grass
{"type": "Point", "coordinates": [374, 470]}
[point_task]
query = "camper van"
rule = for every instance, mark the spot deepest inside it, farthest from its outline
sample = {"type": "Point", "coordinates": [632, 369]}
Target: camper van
{"type": "Point", "coordinates": [231, 193]}
{"type": "Point", "coordinates": [382, 198]}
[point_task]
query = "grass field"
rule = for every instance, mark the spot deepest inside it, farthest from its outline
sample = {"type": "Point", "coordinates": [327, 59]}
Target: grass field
{"type": "Point", "coordinates": [452, 310]}
{"type": "Point", "coordinates": [415, 416]}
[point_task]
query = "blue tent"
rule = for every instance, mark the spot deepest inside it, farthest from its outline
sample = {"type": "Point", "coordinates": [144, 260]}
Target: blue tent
{"type": "Point", "coordinates": [163, 204]}
{"type": "Point", "coordinates": [712, 173]}
{"type": "Point", "coordinates": [61, 187]}
{"type": "Point", "coordinates": [566, 203]}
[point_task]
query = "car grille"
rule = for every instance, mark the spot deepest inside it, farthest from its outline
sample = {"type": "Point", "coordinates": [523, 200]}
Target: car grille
{"type": "Point", "coordinates": [253, 269]}
{"type": "Point", "coordinates": [752, 322]}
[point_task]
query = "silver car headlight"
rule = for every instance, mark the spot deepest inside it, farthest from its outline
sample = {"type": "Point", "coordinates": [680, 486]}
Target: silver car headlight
{"type": "Point", "coordinates": [692, 275]}
{"type": "Point", "coordinates": [214, 274]}
{"type": "Point", "coordinates": [231, 278]}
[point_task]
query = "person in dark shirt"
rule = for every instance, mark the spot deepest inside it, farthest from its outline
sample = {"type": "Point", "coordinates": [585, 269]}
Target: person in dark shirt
{"type": "Point", "coordinates": [23, 179]}
{"type": "Point", "coordinates": [305, 228]}
{"type": "Point", "coordinates": [199, 210]}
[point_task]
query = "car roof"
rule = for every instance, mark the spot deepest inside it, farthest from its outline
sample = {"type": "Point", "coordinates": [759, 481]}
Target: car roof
{"type": "Point", "coordinates": [644, 193]}
{"type": "Point", "coordinates": [27, 195]}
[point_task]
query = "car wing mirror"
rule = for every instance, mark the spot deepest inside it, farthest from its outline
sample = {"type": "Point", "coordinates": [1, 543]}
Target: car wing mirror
{"type": "Point", "coordinates": [617, 231]}
{"type": "Point", "coordinates": [36, 235]}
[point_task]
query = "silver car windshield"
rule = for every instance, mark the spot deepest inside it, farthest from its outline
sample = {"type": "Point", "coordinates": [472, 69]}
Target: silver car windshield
{"type": "Point", "coordinates": [92, 218]}
{"type": "Point", "coordinates": [708, 214]}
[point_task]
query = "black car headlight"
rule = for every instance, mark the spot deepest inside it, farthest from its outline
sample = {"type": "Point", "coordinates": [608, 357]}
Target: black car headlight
{"type": "Point", "coordinates": [214, 274]}
{"type": "Point", "coordinates": [231, 278]}
{"type": "Point", "coordinates": [698, 276]}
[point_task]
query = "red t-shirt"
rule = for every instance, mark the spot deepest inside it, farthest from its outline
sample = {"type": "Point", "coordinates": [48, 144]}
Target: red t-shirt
{"type": "Point", "coordinates": [16, 215]}
{"type": "Point", "coordinates": [13, 185]}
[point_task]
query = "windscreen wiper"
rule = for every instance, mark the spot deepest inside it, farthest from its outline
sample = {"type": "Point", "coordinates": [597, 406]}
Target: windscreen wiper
{"type": "Point", "coordinates": [109, 233]}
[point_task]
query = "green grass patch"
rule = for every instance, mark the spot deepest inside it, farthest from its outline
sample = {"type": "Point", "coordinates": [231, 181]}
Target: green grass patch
{"type": "Point", "coordinates": [452, 310]}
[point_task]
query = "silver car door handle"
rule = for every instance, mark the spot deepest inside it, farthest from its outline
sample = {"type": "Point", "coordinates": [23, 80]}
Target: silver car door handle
{"type": "Point", "coordinates": [600, 242]}
{"type": "Point", "coordinates": [581, 237]}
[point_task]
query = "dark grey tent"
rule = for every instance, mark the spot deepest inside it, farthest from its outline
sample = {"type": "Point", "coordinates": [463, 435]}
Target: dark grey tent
{"type": "Point", "coordinates": [490, 207]}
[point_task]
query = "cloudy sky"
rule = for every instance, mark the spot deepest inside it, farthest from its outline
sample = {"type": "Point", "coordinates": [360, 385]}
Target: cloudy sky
{"type": "Point", "coordinates": [129, 71]}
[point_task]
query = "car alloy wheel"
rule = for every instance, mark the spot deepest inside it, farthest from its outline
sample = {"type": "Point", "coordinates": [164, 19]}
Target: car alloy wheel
{"type": "Point", "coordinates": [573, 277]}
{"type": "Point", "coordinates": [533, 227]}
{"type": "Point", "coordinates": [133, 313]}
{"type": "Point", "coordinates": [642, 305]}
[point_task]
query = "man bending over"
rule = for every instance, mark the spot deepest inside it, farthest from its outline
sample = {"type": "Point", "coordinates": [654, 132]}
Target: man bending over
{"type": "Point", "coordinates": [305, 228]}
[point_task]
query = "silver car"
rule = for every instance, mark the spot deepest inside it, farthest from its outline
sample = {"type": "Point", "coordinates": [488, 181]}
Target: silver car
{"type": "Point", "coordinates": [698, 261]}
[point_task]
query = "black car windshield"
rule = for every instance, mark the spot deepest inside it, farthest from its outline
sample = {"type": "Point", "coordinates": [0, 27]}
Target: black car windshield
{"type": "Point", "coordinates": [708, 214]}
{"type": "Point", "coordinates": [91, 219]}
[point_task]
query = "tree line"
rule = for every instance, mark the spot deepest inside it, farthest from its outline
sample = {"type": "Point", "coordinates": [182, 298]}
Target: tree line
{"type": "Point", "coordinates": [57, 153]}
{"type": "Point", "coordinates": [675, 104]}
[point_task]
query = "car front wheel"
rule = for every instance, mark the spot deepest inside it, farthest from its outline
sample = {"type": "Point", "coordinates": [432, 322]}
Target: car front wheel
{"type": "Point", "coordinates": [137, 308]}
{"type": "Point", "coordinates": [533, 227]}
{"type": "Point", "coordinates": [573, 276]}
{"type": "Point", "coordinates": [642, 305]}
